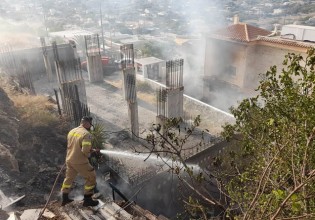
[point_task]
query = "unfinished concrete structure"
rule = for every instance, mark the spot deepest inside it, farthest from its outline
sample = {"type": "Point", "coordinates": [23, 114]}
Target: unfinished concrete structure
{"type": "Point", "coordinates": [127, 65]}
{"type": "Point", "coordinates": [72, 87]}
{"type": "Point", "coordinates": [175, 88]}
{"type": "Point", "coordinates": [94, 59]}
{"type": "Point", "coordinates": [170, 99]}
{"type": "Point", "coordinates": [46, 60]}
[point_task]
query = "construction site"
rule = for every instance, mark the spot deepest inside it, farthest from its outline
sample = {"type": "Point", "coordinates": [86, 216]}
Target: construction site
{"type": "Point", "coordinates": [135, 182]}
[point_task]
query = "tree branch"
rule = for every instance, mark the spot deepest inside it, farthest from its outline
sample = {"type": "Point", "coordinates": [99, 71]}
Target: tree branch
{"type": "Point", "coordinates": [260, 184]}
{"type": "Point", "coordinates": [311, 175]}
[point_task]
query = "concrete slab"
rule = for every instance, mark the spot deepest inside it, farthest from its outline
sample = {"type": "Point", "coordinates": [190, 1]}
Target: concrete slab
{"type": "Point", "coordinates": [113, 211]}
{"type": "Point", "coordinates": [30, 214]}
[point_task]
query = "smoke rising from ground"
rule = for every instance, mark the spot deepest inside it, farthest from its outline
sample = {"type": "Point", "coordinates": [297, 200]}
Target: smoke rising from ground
{"type": "Point", "coordinates": [201, 17]}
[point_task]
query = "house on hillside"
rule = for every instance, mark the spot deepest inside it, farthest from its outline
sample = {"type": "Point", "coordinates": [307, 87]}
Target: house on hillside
{"type": "Point", "coordinates": [236, 55]}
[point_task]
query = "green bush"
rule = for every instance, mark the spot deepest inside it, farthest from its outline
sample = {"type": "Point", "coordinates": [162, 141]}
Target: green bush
{"type": "Point", "coordinates": [98, 136]}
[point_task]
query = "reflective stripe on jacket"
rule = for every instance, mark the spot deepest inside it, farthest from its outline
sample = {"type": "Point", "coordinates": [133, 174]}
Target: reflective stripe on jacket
{"type": "Point", "coordinates": [79, 145]}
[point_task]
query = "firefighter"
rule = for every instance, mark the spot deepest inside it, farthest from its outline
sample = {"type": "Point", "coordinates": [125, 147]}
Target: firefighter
{"type": "Point", "coordinates": [79, 148]}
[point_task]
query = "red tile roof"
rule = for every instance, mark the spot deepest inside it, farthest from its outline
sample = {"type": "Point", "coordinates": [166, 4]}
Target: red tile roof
{"type": "Point", "coordinates": [240, 32]}
{"type": "Point", "coordinates": [277, 40]}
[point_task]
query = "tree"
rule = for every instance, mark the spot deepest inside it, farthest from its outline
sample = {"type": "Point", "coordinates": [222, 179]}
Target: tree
{"type": "Point", "coordinates": [159, 50]}
{"type": "Point", "coordinates": [150, 49]}
{"type": "Point", "coordinates": [269, 172]}
{"type": "Point", "coordinates": [277, 129]}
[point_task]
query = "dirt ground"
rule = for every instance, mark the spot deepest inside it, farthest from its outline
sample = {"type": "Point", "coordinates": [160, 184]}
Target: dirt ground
{"type": "Point", "coordinates": [33, 155]}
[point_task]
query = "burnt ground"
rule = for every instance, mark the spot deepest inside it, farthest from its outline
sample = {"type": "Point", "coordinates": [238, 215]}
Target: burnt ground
{"type": "Point", "coordinates": [30, 156]}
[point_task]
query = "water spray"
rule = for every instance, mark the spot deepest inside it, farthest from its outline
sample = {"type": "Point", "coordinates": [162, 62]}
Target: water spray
{"type": "Point", "coordinates": [146, 157]}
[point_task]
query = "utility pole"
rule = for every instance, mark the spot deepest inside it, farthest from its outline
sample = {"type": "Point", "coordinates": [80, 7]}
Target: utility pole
{"type": "Point", "coordinates": [102, 27]}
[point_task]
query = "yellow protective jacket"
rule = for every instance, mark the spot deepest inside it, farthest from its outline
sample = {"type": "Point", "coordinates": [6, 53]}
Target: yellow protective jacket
{"type": "Point", "coordinates": [79, 145]}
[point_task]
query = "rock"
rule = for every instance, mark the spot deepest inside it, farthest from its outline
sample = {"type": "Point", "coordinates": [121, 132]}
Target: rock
{"type": "Point", "coordinates": [7, 159]}
{"type": "Point", "coordinates": [48, 214]}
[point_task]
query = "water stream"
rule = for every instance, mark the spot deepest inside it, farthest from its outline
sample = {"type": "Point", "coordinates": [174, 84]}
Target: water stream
{"type": "Point", "coordinates": [160, 194]}
{"type": "Point", "coordinates": [153, 158]}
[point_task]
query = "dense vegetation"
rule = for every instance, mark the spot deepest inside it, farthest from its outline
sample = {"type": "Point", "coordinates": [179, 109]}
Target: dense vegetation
{"type": "Point", "coordinates": [269, 170]}
{"type": "Point", "coordinates": [275, 171]}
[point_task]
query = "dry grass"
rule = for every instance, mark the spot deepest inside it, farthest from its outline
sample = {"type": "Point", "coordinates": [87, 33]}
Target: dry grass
{"type": "Point", "coordinates": [35, 110]}
{"type": "Point", "coordinates": [150, 98]}
{"type": "Point", "coordinates": [116, 83]}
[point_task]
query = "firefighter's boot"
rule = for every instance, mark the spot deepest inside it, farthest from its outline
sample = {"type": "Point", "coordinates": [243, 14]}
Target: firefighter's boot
{"type": "Point", "coordinates": [65, 199]}
{"type": "Point", "coordinates": [88, 201]}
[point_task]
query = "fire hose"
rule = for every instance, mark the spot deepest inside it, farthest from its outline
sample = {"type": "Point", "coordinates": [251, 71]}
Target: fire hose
{"type": "Point", "coordinates": [52, 189]}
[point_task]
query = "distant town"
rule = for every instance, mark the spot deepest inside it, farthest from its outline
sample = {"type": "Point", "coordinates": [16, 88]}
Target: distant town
{"type": "Point", "coordinates": [167, 30]}
{"type": "Point", "coordinates": [154, 17]}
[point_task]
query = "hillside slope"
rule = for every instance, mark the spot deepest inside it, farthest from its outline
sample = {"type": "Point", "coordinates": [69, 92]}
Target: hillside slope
{"type": "Point", "coordinates": [32, 145]}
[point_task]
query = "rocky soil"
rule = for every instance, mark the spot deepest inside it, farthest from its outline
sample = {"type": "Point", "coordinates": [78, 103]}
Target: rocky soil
{"type": "Point", "coordinates": [30, 156]}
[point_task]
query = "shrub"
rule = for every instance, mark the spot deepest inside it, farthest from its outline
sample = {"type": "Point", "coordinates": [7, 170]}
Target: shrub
{"type": "Point", "coordinates": [98, 136]}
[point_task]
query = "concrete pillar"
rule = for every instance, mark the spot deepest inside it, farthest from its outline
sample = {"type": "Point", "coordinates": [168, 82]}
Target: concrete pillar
{"type": "Point", "coordinates": [48, 69]}
{"type": "Point", "coordinates": [134, 121]}
{"type": "Point", "coordinates": [95, 68]}
{"type": "Point", "coordinates": [175, 102]}
{"type": "Point", "coordinates": [131, 98]}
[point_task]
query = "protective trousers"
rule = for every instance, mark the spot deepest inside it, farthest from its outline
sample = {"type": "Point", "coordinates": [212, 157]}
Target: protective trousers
{"type": "Point", "coordinates": [84, 170]}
